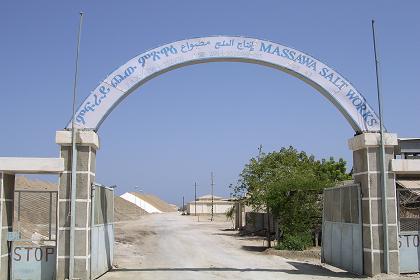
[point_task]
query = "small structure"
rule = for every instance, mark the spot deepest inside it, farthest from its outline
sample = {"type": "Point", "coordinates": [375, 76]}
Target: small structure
{"type": "Point", "coordinates": [204, 204]}
{"type": "Point", "coordinates": [406, 167]}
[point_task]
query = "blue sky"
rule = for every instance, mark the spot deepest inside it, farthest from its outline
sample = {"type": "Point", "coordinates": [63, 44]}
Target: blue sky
{"type": "Point", "coordinates": [184, 124]}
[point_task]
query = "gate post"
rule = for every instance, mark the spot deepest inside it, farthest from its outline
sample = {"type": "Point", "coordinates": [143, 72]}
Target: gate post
{"type": "Point", "coordinates": [7, 190]}
{"type": "Point", "coordinates": [367, 172]}
{"type": "Point", "coordinates": [87, 144]}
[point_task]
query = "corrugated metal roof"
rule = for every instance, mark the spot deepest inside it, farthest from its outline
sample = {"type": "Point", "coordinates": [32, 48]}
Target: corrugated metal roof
{"type": "Point", "coordinates": [409, 184]}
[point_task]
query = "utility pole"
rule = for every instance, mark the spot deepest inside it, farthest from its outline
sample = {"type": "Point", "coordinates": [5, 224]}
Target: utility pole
{"type": "Point", "coordinates": [195, 198]}
{"type": "Point", "coordinates": [212, 197]}
{"type": "Point", "coordinates": [74, 158]}
{"type": "Point", "coordinates": [183, 206]}
{"type": "Point", "coordinates": [382, 157]}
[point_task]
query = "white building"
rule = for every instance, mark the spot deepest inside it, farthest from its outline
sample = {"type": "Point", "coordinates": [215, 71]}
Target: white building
{"type": "Point", "coordinates": [204, 204]}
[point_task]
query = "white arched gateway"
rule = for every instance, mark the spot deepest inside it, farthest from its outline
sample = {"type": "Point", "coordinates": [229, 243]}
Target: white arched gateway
{"type": "Point", "coordinates": [366, 256]}
{"type": "Point", "coordinates": [128, 77]}
{"type": "Point", "coordinates": [358, 229]}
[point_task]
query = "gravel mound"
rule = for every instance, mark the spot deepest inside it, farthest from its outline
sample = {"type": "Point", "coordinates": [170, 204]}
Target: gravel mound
{"type": "Point", "coordinates": [156, 202]}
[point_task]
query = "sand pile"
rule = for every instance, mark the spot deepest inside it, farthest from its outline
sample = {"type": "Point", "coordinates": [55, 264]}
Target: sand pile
{"type": "Point", "coordinates": [125, 210]}
{"type": "Point", "coordinates": [34, 212]}
{"type": "Point", "coordinates": [156, 202]}
{"type": "Point", "coordinates": [23, 183]}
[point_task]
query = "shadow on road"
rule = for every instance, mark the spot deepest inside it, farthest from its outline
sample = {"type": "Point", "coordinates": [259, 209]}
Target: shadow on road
{"type": "Point", "coordinates": [254, 248]}
{"type": "Point", "coordinates": [300, 269]}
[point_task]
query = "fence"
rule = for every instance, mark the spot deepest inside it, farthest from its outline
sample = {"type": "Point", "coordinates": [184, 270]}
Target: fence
{"type": "Point", "coordinates": [102, 230]}
{"type": "Point", "coordinates": [34, 239]}
{"type": "Point", "coordinates": [342, 228]}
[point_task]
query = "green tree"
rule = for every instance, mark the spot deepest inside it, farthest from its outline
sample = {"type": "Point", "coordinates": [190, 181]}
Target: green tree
{"type": "Point", "coordinates": [289, 182]}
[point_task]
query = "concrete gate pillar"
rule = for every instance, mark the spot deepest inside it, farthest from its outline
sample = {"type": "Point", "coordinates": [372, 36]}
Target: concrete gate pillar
{"type": "Point", "coordinates": [87, 144]}
{"type": "Point", "coordinates": [7, 189]}
{"type": "Point", "coordinates": [366, 171]}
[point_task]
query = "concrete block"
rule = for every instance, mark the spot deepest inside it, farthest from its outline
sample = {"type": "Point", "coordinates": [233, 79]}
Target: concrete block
{"type": "Point", "coordinates": [366, 237]}
{"type": "Point", "coordinates": [392, 212]}
{"type": "Point", "coordinates": [62, 269]}
{"type": "Point", "coordinates": [9, 186]}
{"type": "Point", "coordinates": [83, 158]}
{"type": "Point", "coordinates": [81, 268]}
{"type": "Point", "coordinates": [83, 186]}
{"type": "Point", "coordinates": [7, 219]}
{"type": "Point", "coordinates": [363, 180]}
{"type": "Point", "coordinates": [393, 238]}
{"type": "Point", "coordinates": [377, 237]}
{"type": "Point", "coordinates": [63, 242]}
{"type": "Point", "coordinates": [371, 139]}
{"type": "Point", "coordinates": [367, 264]}
{"type": "Point", "coordinates": [376, 211]}
{"type": "Point", "coordinates": [378, 263]}
{"type": "Point", "coordinates": [376, 186]}
{"type": "Point", "coordinates": [81, 214]}
{"type": "Point", "coordinates": [366, 218]}
{"type": "Point", "coordinates": [4, 262]}
{"type": "Point", "coordinates": [360, 161]}
{"type": "Point", "coordinates": [3, 247]}
{"type": "Point", "coordinates": [63, 210]}
{"type": "Point", "coordinates": [394, 262]}
{"type": "Point", "coordinates": [376, 214]}
{"type": "Point", "coordinates": [64, 190]}
{"type": "Point", "coordinates": [93, 160]}
{"type": "Point", "coordinates": [80, 237]}
{"type": "Point", "coordinates": [375, 159]}
{"type": "Point", "coordinates": [65, 154]}
{"type": "Point", "coordinates": [83, 137]}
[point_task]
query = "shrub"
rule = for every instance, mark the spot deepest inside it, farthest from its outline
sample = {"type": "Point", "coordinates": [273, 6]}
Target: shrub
{"type": "Point", "coordinates": [296, 242]}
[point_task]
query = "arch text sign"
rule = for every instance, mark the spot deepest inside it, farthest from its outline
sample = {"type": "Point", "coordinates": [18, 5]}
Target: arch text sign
{"type": "Point", "coordinates": [124, 80]}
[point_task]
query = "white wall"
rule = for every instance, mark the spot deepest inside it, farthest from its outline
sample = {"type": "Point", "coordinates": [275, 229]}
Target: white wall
{"type": "Point", "coordinates": [140, 203]}
{"type": "Point", "coordinates": [205, 208]}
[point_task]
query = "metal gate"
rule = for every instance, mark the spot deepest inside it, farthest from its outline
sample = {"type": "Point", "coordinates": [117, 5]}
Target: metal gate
{"type": "Point", "coordinates": [102, 230]}
{"type": "Point", "coordinates": [33, 240]}
{"type": "Point", "coordinates": [409, 228]}
{"type": "Point", "coordinates": [342, 228]}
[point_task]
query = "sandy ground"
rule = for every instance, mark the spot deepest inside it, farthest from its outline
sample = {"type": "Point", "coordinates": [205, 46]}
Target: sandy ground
{"type": "Point", "coordinates": [171, 246]}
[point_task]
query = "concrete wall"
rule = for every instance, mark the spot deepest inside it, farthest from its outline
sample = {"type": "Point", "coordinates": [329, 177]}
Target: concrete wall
{"type": "Point", "coordinates": [204, 208]}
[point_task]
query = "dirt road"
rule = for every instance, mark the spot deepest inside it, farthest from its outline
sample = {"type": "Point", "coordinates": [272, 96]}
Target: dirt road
{"type": "Point", "coordinates": [171, 246]}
